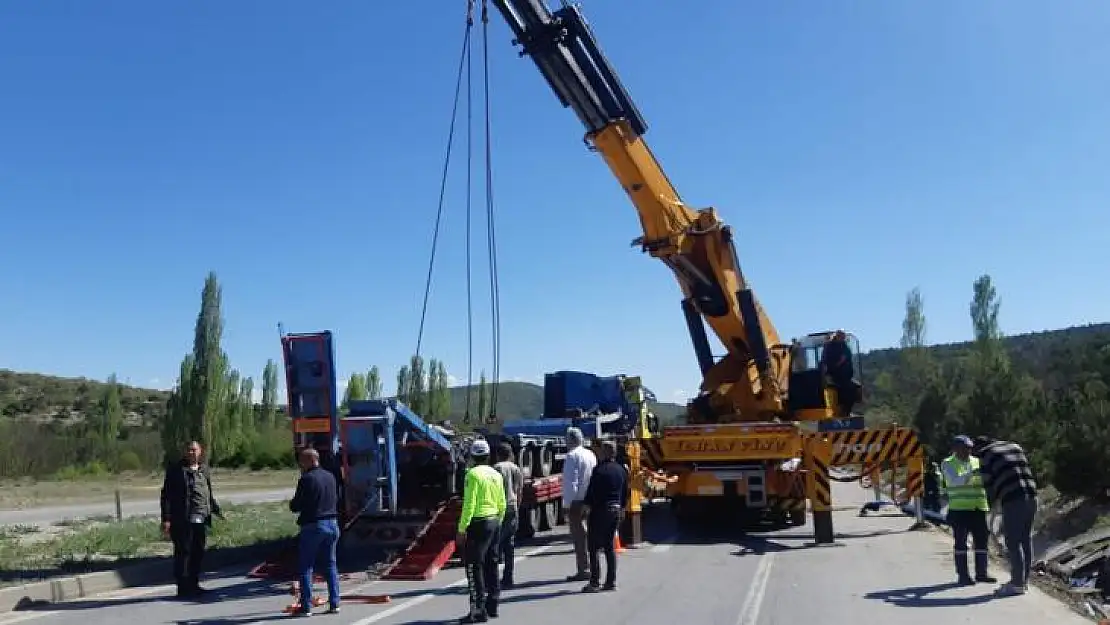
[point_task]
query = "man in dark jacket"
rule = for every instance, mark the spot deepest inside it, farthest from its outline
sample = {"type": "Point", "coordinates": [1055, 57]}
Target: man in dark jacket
{"type": "Point", "coordinates": [605, 497]}
{"type": "Point", "coordinates": [317, 502]}
{"type": "Point", "coordinates": [188, 506]}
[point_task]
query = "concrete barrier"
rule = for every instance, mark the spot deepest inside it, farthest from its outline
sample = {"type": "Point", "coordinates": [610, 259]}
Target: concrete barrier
{"type": "Point", "coordinates": [155, 572]}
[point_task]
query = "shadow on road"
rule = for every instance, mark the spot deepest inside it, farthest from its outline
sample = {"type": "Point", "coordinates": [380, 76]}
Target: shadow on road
{"type": "Point", "coordinates": [242, 619]}
{"type": "Point", "coordinates": [918, 596]}
{"type": "Point", "coordinates": [233, 592]}
{"type": "Point", "coordinates": [139, 572]}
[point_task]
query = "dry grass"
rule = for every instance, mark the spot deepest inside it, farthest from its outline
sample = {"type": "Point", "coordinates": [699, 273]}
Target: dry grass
{"type": "Point", "coordinates": [30, 493]}
{"type": "Point", "coordinates": [28, 554]}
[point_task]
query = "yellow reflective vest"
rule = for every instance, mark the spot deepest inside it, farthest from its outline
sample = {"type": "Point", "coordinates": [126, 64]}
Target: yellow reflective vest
{"type": "Point", "coordinates": [964, 485]}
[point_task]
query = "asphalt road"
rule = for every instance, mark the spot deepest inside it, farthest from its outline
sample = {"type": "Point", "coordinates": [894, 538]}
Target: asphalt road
{"type": "Point", "coordinates": [46, 516]}
{"type": "Point", "coordinates": [875, 572]}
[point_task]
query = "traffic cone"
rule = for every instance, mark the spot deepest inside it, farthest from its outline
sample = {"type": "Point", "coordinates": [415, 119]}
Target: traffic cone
{"type": "Point", "coordinates": [617, 546]}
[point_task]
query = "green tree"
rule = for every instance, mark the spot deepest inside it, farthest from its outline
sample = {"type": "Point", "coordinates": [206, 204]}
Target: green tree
{"type": "Point", "coordinates": [483, 396]}
{"type": "Point", "coordinates": [207, 393]}
{"type": "Point", "coordinates": [418, 383]}
{"type": "Point", "coordinates": [356, 389]}
{"type": "Point", "coordinates": [984, 313]}
{"type": "Point", "coordinates": [438, 403]}
{"type": "Point", "coordinates": [997, 392]}
{"type": "Point", "coordinates": [441, 398]}
{"type": "Point", "coordinates": [177, 425]}
{"type": "Point", "coordinates": [110, 411]}
{"type": "Point", "coordinates": [269, 394]}
{"type": "Point", "coordinates": [404, 385]}
{"type": "Point", "coordinates": [248, 417]}
{"type": "Point", "coordinates": [373, 383]}
{"type": "Point", "coordinates": [917, 366]}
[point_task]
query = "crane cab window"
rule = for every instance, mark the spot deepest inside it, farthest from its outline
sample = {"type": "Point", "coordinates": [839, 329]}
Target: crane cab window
{"type": "Point", "coordinates": [810, 350]}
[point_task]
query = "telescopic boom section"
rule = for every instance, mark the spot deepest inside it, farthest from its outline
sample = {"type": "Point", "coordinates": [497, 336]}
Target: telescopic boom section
{"type": "Point", "coordinates": [749, 383]}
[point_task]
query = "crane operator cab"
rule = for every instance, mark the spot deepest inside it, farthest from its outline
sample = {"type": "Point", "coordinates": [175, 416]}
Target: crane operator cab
{"type": "Point", "coordinates": [824, 376]}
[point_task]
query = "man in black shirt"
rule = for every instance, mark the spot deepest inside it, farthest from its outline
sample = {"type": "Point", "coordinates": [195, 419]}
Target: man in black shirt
{"type": "Point", "coordinates": [836, 356]}
{"type": "Point", "coordinates": [317, 501]}
{"type": "Point", "coordinates": [605, 497]}
{"type": "Point", "coordinates": [187, 509]}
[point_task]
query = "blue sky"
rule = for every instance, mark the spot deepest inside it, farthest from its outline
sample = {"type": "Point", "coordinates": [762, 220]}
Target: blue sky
{"type": "Point", "coordinates": [858, 149]}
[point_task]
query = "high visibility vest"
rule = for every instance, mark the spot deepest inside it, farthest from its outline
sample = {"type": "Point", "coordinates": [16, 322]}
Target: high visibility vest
{"type": "Point", "coordinates": [964, 485]}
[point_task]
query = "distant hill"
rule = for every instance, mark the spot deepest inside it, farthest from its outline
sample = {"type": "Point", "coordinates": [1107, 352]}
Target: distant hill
{"type": "Point", "coordinates": [1043, 355]}
{"type": "Point", "coordinates": [44, 398]}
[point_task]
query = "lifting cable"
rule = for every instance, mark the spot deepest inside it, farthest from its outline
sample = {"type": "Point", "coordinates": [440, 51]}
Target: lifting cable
{"type": "Point", "coordinates": [469, 197]}
{"type": "Point", "coordinates": [465, 70]}
{"type": "Point", "coordinates": [495, 296]}
{"type": "Point", "coordinates": [464, 56]}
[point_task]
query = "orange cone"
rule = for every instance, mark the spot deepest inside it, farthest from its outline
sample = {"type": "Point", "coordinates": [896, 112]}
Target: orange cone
{"type": "Point", "coordinates": [617, 546]}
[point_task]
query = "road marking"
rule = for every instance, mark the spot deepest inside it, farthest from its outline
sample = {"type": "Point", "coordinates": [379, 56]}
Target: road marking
{"type": "Point", "coordinates": [417, 600]}
{"type": "Point", "coordinates": [749, 612]}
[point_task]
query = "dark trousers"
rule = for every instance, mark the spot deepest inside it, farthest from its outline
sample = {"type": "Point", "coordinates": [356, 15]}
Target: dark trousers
{"type": "Point", "coordinates": [481, 565]}
{"type": "Point", "coordinates": [966, 522]}
{"type": "Point", "coordinates": [509, 526]}
{"type": "Point", "coordinates": [188, 553]}
{"type": "Point", "coordinates": [601, 533]}
{"type": "Point", "coordinates": [316, 539]}
{"type": "Point", "coordinates": [1017, 526]}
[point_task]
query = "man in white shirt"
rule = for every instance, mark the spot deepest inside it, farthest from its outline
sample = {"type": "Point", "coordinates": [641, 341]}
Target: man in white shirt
{"type": "Point", "coordinates": [577, 468]}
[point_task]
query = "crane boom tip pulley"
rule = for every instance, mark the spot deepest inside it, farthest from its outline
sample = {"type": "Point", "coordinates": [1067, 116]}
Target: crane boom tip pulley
{"type": "Point", "coordinates": [564, 49]}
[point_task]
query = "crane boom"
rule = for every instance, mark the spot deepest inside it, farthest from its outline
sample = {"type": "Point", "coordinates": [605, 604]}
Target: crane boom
{"type": "Point", "coordinates": [750, 381]}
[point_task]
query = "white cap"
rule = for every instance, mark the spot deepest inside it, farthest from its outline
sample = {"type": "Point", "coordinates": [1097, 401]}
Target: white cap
{"type": "Point", "coordinates": [479, 448]}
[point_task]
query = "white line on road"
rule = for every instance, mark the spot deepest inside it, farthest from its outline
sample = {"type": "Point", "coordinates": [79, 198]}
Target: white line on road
{"type": "Point", "coordinates": [749, 612]}
{"type": "Point", "coordinates": [417, 600]}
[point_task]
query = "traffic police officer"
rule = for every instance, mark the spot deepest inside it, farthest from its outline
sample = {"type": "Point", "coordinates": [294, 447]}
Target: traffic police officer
{"type": "Point", "coordinates": [967, 509]}
{"type": "Point", "coordinates": [483, 509]}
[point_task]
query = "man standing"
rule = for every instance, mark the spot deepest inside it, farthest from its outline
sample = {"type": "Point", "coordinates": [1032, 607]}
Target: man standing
{"type": "Point", "coordinates": [514, 486]}
{"type": "Point", "coordinates": [836, 356]}
{"type": "Point", "coordinates": [967, 509]}
{"type": "Point", "coordinates": [1010, 483]}
{"type": "Point", "coordinates": [605, 498]}
{"type": "Point", "coordinates": [187, 509]}
{"type": "Point", "coordinates": [483, 509]}
{"type": "Point", "coordinates": [317, 501]}
{"type": "Point", "coordinates": [577, 467]}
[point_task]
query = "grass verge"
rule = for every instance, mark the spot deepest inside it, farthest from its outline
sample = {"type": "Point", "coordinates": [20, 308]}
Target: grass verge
{"type": "Point", "coordinates": [93, 545]}
{"type": "Point", "coordinates": [30, 493]}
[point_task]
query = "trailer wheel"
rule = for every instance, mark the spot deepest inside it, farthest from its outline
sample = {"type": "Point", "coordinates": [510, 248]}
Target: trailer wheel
{"type": "Point", "coordinates": [535, 518]}
{"type": "Point", "coordinates": [561, 513]}
{"type": "Point", "coordinates": [545, 460]}
{"type": "Point", "coordinates": [525, 460]}
{"type": "Point", "coordinates": [547, 516]}
{"type": "Point", "coordinates": [525, 528]}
